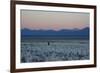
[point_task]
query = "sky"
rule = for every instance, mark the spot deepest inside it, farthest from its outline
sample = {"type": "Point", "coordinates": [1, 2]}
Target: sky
{"type": "Point", "coordinates": [52, 20]}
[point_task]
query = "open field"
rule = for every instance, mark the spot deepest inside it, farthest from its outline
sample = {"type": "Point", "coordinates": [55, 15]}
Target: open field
{"type": "Point", "coordinates": [54, 50]}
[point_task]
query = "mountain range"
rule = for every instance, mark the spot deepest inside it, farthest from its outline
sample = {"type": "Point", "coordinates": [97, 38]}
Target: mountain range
{"type": "Point", "coordinates": [83, 33]}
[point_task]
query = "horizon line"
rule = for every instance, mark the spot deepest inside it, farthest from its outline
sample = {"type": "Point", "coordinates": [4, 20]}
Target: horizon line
{"type": "Point", "coordinates": [54, 29]}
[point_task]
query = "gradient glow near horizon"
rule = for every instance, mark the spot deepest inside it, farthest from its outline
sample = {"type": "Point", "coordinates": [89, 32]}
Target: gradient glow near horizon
{"type": "Point", "coordinates": [50, 20]}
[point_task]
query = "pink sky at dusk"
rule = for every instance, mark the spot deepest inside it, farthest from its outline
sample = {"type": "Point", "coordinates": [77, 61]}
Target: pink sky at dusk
{"type": "Point", "coordinates": [50, 20]}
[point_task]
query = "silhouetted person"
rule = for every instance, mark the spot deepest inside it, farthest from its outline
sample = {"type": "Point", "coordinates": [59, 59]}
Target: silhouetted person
{"type": "Point", "coordinates": [48, 43]}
